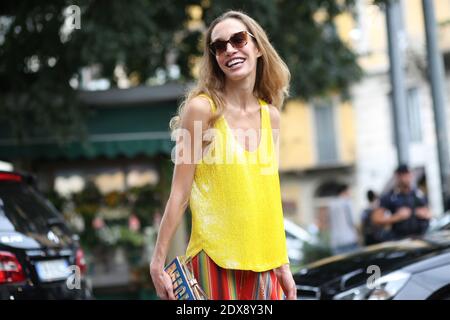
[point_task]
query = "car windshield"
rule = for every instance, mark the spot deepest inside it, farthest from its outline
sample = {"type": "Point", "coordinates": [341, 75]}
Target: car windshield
{"type": "Point", "coordinates": [23, 210]}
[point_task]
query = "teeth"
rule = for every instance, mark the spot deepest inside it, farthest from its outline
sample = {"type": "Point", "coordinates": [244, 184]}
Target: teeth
{"type": "Point", "coordinates": [234, 61]}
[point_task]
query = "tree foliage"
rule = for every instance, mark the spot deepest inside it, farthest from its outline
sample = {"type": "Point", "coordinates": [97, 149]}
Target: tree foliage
{"type": "Point", "coordinates": [41, 65]}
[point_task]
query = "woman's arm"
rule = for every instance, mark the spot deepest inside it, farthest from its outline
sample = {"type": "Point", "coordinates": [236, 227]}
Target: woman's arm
{"type": "Point", "coordinates": [197, 111]}
{"type": "Point", "coordinates": [283, 273]}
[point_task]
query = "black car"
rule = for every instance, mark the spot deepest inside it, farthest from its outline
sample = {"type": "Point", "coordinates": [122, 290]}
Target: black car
{"type": "Point", "coordinates": [40, 258]}
{"type": "Point", "coordinates": [409, 269]}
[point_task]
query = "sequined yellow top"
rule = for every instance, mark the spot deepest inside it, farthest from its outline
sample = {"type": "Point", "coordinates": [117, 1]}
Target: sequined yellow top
{"type": "Point", "coordinates": [237, 217]}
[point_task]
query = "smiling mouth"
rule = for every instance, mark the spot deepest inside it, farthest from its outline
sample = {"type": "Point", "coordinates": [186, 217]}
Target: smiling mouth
{"type": "Point", "coordinates": [235, 62]}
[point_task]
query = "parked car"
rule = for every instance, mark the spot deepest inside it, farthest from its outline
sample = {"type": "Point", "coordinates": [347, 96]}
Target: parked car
{"type": "Point", "coordinates": [296, 237]}
{"type": "Point", "coordinates": [409, 269]}
{"type": "Point", "coordinates": [304, 245]}
{"type": "Point", "coordinates": [441, 222]}
{"type": "Point", "coordinates": [40, 258]}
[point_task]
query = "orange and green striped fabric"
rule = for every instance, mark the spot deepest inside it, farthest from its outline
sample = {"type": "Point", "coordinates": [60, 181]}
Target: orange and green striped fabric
{"type": "Point", "coordinates": [227, 284]}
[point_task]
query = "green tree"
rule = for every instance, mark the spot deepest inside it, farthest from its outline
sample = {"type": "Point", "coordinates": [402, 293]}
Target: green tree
{"type": "Point", "coordinates": [318, 59]}
{"type": "Point", "coordinates": [41, 64]}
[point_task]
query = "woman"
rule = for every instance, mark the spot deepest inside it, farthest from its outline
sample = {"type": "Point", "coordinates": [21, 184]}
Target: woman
{"type": "Point", "coordinates": [237, 246]}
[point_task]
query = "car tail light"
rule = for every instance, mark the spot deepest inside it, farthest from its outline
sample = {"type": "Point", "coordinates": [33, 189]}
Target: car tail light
{"type": "Point", "coordinates": [81, 261]}
{"type": "Point", "coordinates": [10, 268]}
{"type": "Point", "coordinates": [10, 177]}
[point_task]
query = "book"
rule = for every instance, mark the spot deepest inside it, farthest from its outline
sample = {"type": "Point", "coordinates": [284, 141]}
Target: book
{"type": "Point", "coordinates": [185, 286]}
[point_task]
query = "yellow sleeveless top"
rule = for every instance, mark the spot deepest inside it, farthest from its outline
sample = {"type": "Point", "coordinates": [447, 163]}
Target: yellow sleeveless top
{"type": "Point", "coordinates": [237, 217]}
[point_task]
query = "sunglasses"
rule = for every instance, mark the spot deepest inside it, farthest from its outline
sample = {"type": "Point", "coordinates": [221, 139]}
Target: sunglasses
{"type": "Point", "coordinates": [237, 40]}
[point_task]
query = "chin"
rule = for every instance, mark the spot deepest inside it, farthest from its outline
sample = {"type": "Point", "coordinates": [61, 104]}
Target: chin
{"type": "Point", "coordinates": [238, 75]}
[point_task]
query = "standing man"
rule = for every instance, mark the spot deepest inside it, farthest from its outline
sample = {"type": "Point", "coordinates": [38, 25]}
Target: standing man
{"type": "Point", "coordinates": [343, 230]}
{"type": "Point", "coordinates": [405, 208]}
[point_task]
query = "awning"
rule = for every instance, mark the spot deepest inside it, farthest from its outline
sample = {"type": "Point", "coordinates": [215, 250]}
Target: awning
{"type": "Point", "coordinates": [119, 125]}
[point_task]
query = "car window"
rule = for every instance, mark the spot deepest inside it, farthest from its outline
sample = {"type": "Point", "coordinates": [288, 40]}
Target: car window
{"type": "Point", "coordinates": [5, 224]}
{"type": "Point", "coordinates": [22, 209]}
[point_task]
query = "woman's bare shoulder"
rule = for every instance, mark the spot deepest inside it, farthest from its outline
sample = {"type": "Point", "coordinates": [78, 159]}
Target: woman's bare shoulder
{"type": "Point", "coordinates": [274, 116]}
{"type": "Point", "coordinates": [197, 108]}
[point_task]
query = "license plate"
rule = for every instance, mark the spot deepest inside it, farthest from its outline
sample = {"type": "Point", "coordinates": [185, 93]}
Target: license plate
{"type": "Point", "coordinates": [52, 270]}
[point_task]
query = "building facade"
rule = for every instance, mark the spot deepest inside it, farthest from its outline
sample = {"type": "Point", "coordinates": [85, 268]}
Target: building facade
{"type": "Point", "coordinates": [325, 142]}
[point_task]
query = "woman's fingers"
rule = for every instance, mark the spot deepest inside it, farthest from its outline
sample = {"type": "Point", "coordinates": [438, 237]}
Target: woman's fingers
{"type": "Point", "coordinates": [163, 284]}
{"type": "Point", "coordinates": [169, 286]}
{"type": "Point", "coordinates": [292, 293]}
{"type": "Point", "coordinates": [288, 284]}
{"type": "Point", "coordinates": [162, 295]}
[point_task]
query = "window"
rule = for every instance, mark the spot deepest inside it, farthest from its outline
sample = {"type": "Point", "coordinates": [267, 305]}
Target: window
{"type": "Point", "coordinates": [414, 119]}
{"type": "Point", "coordinates": [325, 131]}
{"type": "Point", "coordinates": [413, 114]}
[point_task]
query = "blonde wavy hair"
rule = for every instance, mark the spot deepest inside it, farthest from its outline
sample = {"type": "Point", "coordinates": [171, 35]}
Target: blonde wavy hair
{"type": "Point", "coordinates": [272, 74]}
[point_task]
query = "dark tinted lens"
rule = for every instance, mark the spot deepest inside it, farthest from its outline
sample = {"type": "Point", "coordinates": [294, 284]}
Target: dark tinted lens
{"type": "Point", "coordinates": [219, 46]}
{"type": "Point", "coordinates": [239, 39]}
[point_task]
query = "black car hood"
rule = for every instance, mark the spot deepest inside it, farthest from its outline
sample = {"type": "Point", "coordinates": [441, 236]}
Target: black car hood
{"type": "Point", "coordinates": [339, 273]}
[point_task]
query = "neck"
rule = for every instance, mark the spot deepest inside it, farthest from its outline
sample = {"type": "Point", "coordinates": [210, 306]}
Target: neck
{"type": "Point", "coordinates": [240, 93]}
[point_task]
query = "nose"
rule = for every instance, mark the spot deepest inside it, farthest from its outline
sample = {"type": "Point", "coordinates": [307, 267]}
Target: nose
{"type": "Point", "coordinates": [230, 48]}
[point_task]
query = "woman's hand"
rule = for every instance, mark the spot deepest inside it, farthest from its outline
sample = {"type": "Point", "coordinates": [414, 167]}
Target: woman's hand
{"type": "Point", "coordinates": [162, 282]}
{"type": "Point", "coordinates": [286, 281]}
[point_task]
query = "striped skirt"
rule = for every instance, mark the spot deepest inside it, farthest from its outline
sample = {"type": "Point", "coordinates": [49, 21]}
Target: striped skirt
{"type": "Point", "coordinates": [227, 284]}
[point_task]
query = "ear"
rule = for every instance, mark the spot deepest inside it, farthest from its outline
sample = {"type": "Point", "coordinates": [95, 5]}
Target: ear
{"type": "Point", "coordinates": [258, 53]}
